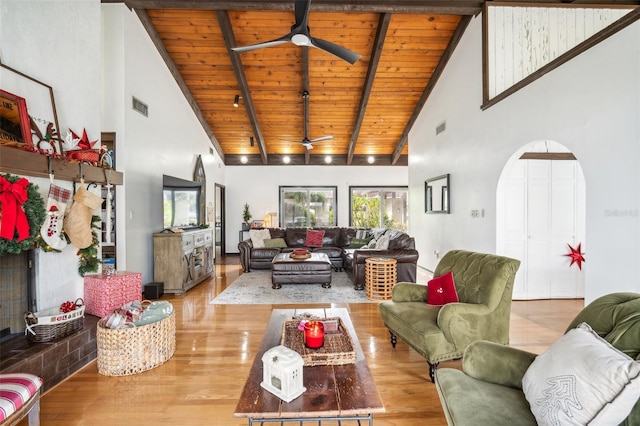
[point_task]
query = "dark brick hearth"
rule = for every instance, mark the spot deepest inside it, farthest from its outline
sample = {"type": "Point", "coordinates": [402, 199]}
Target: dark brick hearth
{"type": "Point", "coordinates": [53, 361]}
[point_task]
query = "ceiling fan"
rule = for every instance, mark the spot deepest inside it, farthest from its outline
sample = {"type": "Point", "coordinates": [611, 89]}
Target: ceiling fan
{"type": "Point", "coordinates": [301, 36]}
{"type": "Point", "coordinates": [308, 143]}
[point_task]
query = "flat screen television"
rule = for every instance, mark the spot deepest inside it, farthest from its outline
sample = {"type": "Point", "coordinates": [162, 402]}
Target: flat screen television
{"type": "Point", "coordinates": [181, 201]}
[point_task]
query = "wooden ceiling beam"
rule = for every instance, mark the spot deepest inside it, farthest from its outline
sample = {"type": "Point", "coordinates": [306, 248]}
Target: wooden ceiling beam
{"type": "Point", "coordinates": [376, 53]}
{"type": "Point", "coordinates": [162, 50]}
{"type": "Point", "coordinates": [238, 69]}
{"type": "Point", "coordinates": [404, 138]}
{"type": "Point", "coordinates": [444, 7]}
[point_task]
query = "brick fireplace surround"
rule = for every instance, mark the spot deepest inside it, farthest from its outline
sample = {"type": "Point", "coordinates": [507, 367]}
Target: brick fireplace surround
{"type": "Point", "coordinates": [53, 361]}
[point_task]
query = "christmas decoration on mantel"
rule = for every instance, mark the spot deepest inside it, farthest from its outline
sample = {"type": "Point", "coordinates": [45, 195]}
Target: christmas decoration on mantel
{"type": "Point", "coordinates": [45, 141]}
{"type": "Point", "coordinates": [21, 214]}
{"type": "Point", "coordinates": [77, 224]}
{"type": "Point", "coordinates": [576, 255]}
{"type": "Point", "coordinates": [51, 231]}
{"type": "Point", "coordinates": [80, 148]}
{"type": "Point", "coordinates": [89, 261]}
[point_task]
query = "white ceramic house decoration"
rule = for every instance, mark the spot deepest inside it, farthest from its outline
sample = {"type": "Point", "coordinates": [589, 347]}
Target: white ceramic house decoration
{"type": "Point", "coordinates": [282, 373]}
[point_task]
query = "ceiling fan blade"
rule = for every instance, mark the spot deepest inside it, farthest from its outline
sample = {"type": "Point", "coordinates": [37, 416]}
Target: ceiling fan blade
{"type": "Point", "coordinates": [276, 42]}
{"type": "Point", "coordinates": [324, 138]}
{"type": "Point", "coordinates": [339, 51]}
{"type": "Point", "coordinates": [302, 13]}
{"type": "Point", "coordinates": [307, 145]}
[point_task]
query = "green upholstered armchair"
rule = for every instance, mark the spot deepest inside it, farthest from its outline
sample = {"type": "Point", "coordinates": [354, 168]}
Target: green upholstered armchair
{"type": "Point", "coordinates": [488, 392]}
{"type": "Point", "coordinates": [484, 283]}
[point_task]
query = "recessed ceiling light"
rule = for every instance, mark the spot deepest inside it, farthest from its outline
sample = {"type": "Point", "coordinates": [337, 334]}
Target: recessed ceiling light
{"type": "Point", "coordinates": [371, 159]}
{"type": "Point", "coordinates": [244, 159]}
{"type": "Point", "coordinates": [327, 159]}
{"type": "Point", "coordinates": [286, 159]}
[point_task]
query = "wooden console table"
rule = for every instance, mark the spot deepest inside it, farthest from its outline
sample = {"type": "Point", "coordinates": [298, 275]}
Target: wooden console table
{"type": "Point", "coordinates": [334, 392]}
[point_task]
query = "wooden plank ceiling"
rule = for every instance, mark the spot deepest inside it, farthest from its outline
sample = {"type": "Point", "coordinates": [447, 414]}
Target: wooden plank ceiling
{"type": "Point", "coordinates": [367, 107]}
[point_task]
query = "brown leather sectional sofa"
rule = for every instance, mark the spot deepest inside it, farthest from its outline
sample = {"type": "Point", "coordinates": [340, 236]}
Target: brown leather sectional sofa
{"type": "Point", "coordinates": [337, 244]}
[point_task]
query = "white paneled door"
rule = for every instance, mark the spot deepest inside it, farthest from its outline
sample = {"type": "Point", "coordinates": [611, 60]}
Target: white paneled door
{"type": "Point", "coordinates": [541, 204]}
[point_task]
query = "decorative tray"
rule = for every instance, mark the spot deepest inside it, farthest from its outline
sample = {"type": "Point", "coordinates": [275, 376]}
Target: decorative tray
{"type": "Point", "coordinates": [338, 347]}
{"type": "Point", "coordinates": [300, 256]}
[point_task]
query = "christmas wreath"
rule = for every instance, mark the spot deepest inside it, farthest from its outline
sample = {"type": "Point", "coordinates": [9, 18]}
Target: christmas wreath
{"type": "Point", "coordinates": [22, 214]}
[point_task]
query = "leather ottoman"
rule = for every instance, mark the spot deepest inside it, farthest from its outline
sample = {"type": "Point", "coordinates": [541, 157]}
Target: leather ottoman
{"type": "Point", "coordinates": [314, 270]}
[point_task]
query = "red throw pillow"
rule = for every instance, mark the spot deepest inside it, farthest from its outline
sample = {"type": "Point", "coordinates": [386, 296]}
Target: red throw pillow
{"type": "Point", "coordinates": [442, 290]}
{"type": "Point", "coordinates": [314, 238]}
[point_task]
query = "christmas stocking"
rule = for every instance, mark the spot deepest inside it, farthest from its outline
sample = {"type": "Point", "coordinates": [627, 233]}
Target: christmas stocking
{"type": "Point", "coordinates": [56, 205]}
{"type": "Point", "coordinates": [77, 224]}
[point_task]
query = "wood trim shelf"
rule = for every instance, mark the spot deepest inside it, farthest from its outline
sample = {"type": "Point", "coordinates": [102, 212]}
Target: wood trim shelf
{"type": "Point", "coordinates": [21, 162]}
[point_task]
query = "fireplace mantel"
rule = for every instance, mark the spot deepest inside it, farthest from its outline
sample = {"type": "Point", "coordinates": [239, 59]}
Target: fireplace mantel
{"type": "Point", "coordinates": [26, 163]}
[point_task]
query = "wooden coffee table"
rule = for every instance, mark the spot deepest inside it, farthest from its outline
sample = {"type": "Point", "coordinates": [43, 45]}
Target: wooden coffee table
{"type": "Point", "coordinates": [334, 392]}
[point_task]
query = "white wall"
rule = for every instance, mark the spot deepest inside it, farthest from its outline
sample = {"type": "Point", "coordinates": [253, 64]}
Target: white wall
{"type": "Point", "coordinates": [590, 105]}
{"type": "Point", "coordinates": [58, 44]}
{"type": "Point", "coordinates": [168, 141]}
{"type": "Point", "coordinates": [258, 186]}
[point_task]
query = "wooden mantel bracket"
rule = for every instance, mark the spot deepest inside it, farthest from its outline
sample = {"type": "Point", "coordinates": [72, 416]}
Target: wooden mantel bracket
{"type": "Point", "coordinates": [21, 162]}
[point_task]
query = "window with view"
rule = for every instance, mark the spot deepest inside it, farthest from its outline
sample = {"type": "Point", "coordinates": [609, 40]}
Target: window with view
{"type": "Point", "coordinates": [379, 207]}
{"type": "Point", "coordinates": [308, 206]}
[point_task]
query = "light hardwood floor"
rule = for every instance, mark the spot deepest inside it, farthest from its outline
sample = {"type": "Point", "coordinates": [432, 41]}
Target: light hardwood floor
{"type": "Point", "coordinates": [216, 345]}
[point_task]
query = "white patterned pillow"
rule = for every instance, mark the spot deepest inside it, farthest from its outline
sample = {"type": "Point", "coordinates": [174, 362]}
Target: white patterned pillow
{"type": "Point", "coordinates": [378, 232]}
{"type": "Point", "coordinates": [393, 233]}
{"type": "Point", "coordinates": [581, 379]}
{"type": "Point", "coordinates": [361, 234]}
{"type": "Point", "coordinates": [258, 236]}
{"type": "Point", "coordinates": [383, 242]}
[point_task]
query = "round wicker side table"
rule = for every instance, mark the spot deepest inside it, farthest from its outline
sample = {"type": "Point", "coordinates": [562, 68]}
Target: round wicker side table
{"type": "Point", "coordinates": [380, 276]}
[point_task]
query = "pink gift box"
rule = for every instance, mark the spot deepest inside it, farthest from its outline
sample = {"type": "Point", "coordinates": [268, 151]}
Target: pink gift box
{"type": "Point", "coordinates": [105, 292]}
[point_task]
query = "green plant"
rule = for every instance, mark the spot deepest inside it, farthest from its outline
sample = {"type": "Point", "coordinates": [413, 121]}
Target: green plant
{"type": "Point", "coordinates": [246, 214]}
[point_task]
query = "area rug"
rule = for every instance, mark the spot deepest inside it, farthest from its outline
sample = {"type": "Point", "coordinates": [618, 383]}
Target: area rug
{"type": "Point", "coordinates": [255, 288]}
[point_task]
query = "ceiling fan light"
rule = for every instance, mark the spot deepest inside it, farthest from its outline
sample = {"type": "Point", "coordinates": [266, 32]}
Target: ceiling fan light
{"type": "Point", "coordinates": [300, 40]}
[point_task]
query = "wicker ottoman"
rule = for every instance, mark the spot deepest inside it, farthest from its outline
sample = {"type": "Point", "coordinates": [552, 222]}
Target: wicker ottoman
{"type": "Point", "coordinates": [316, 269]}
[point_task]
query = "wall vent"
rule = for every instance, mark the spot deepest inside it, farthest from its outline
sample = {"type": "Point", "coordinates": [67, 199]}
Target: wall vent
{"type": "Point", "coordinates": [441, 127]}
{"type": "Point", "coordinates": [140, 106]}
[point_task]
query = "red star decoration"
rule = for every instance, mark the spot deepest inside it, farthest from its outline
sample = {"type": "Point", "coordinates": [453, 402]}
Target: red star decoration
{"type": "Point", "coordinates": [576, 255]}
{"type": "Point", "coordinates": [84, 140]}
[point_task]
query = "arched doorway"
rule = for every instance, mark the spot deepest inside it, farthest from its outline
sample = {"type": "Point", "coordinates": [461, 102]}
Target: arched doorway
{"type": "Point", "coordinates": [540, 210]}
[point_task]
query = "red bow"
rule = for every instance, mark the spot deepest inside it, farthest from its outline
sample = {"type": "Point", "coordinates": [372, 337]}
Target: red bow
{"type": "Point", "coordinates": [12, 196]}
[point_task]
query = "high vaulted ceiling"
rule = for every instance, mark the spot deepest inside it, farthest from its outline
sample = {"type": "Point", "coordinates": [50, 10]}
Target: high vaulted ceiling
{"type": "Point", "coordinates": [368, 107]}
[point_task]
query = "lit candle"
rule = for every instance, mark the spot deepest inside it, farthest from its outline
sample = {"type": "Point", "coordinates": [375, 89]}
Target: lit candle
{"type": "Point", "coordinates": [314, 334]}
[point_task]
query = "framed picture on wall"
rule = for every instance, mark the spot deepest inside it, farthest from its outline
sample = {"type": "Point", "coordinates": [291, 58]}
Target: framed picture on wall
{"type": "Point", "coordinates": [14, 120]}
{"type": "Point", "coordinates": [42, 118]}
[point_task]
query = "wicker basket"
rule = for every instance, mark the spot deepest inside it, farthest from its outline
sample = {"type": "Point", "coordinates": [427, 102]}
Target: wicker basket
{"type": "Point", "coordinates": [131, 350]}
{"type": "Point", "coordinates": [50, 325]}
{"type": "Point", "coordinates": [338, 347]}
